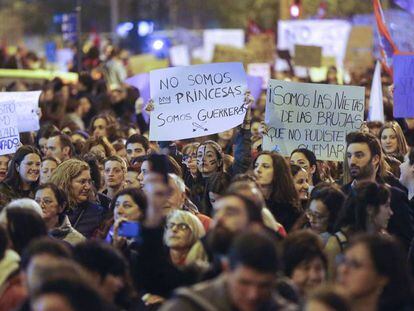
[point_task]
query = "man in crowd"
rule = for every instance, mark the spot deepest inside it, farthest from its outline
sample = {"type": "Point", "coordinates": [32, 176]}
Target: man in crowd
{"type": "Point", "coordinates": [365, 162]}
{"type": "Point", "coordinates": [247, 284]}
{"type": "Point", "coordinates": [60, 147]}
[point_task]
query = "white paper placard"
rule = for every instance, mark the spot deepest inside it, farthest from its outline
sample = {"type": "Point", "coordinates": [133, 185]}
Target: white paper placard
{"type": "Point", "coordinates": [196, 100]}
{"type": "Point", "coordinates": [27, 105]}
{"type": "Point", "coordinates": [9, 133]}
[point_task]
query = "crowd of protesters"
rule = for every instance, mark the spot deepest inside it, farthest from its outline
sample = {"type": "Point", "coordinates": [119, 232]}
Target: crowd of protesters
{"type": "Point", "coordinates": [94, 216]}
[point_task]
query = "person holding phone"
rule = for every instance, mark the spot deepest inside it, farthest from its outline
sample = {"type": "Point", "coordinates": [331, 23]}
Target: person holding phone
{"type": "Point", "coordinates": [129, 207]}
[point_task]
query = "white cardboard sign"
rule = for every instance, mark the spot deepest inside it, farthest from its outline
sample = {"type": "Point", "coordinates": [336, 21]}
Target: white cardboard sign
{"type": "Point", "coordinates": [196, 100]}
{"type": "Point", "coordinates": [9, 133]}
{"type": "Point", "coordinates": [27, 106]}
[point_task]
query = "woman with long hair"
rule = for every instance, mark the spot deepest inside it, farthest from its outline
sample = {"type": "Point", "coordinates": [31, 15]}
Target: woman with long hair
{"type": "Point", "coordinates": [393, 141]}
{"type": "Point", "coordinates": [276, 183]}
{"type": "Point", "coordinates": [22, 176]}
{"type": "Point", "coordinates": [367, 209]}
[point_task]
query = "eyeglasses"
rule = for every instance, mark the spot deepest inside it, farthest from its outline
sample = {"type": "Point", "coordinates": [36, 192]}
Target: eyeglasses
{"type": "Point", "coordinates": [315, 216]}
{"type": "Point", "coordinates": [181, 226]}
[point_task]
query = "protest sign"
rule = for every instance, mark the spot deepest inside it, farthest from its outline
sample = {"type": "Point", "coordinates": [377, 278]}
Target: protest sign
{"type": "Point", "coordinates": [180, 55]}
{"type": "Point", "coordinates": [263, 47]}
{"type": "Point", "coordinates": [262, 70]}
{"type": "Point", "coordinates": [145, 63]}
{"type": "Point", "coordinates": [403, 86]}
{"type": "Point", "coordinates": [196, 100]}
{"type": "Point", "coordinates": [27, 109]}
{"type": "Point", "coordinates": [212, 37]}
{"type": "Point", "coordinates": [358, 56]}
{"type": "Point", "coordinates": [9, 133]}
{"type": "Point", "coordinates": [308, 56]}
{"type": "Point", "coordinates": [226, 54]}
{"type": "Point", "coordinates": [254, 85]}
{"type": "Point", "coordinates": [312, 116]}
{"type": "Point", "coordinates": [331, 35]}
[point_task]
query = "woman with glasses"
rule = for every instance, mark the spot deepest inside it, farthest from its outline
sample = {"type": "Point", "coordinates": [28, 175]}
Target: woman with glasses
{"type": "Point", "coordinates": [182, 237]}
{"type": "Point", "coordinates": [53, 202]}
{"type": "Point", "coordinates": [22, 176]}
{"type": "Point", "coordinates": [74, 177]}
{"type": "Point", "coordinates": [326, 201]}
{"type": "Point", "coordinates": [374, 274]}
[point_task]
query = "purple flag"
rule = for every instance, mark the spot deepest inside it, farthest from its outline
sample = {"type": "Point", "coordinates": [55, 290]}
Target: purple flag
{"type": "Point", "coordinates": [141, 82]}
{"type": "Point", "coordinates": [254, 84]}
{"type": "Point", "coordinates": [403, 86]}
{"type": "Point", "coordinates": [407, 5]}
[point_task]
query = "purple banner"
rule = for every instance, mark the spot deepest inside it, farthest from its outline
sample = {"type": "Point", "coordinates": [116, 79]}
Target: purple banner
{"type": "Point", "coordinates": [254, 84]}
{"type": "Point", "coordinates": [403, 86]}
{"type": "Point", "coordinates": [407, 5]}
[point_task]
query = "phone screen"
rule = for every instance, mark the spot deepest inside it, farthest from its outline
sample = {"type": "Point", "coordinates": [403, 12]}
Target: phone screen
{"type": "Point", "coordinates": [129, 229]}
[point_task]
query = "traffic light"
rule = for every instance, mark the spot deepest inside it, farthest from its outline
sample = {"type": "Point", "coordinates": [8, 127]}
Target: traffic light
{"type": "Point", "coordinates": [295, 9]}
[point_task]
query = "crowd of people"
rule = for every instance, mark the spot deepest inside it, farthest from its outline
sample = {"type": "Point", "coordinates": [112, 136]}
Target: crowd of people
{"type": "Point", "coordinates": [94, 216]}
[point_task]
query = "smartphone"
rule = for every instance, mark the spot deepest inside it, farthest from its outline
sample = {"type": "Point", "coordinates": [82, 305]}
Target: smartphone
{"type": "Point", "coordinates": [129, 229]}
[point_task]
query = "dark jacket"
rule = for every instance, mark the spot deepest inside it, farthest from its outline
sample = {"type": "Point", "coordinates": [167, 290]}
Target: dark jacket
{"type": "Point", "coordinates": [213, 295]}
{"type": "Point", "coordinates": [401, 223]}
{"type": "Point", "coordinates": [86, 218]}
{"type": "Point", "coordinates": [242, 162]}
{"type": "Point", "coordinates": [8, 193]}
{"type": "Point", "coordinates": [284, 213]}
{"type": "Point", "coordinates": [154, 272]}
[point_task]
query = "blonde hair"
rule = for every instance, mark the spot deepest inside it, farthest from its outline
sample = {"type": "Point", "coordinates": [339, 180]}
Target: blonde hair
{"type": "Point", "coordinates": [402, 148]}
{"type": "Point", "coordinates": [196, 227]}
{"type": "Point", "coordinates": [64, 174]}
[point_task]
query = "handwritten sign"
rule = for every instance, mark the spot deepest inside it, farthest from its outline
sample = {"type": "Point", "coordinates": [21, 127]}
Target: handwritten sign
{"type": "Point", "coordinates": [403, 85]}
{"type": "Point", "coordinates": [9, 133]}
{"type": "Point", "coordinates": [27, 106]}
{"type": "Point", "coordinates": [196, 100]}
{"type": "Point", "coordinates": [313, 116]}
{"type": "Point", "coordinates": [308, 55]}
{"type": "Point", "coordinates": [263, 47]}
